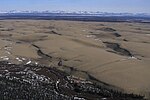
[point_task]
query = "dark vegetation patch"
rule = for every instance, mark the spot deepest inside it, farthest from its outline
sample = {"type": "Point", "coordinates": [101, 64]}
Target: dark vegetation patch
{"type": "Point", "coordinates": [101, 25]}
{"type": "Point", "coordinates": [118, 49]}
{"type": "Point", "coordinates": [107, 35]}
{"type": "Point", "coordinates": [53, 32]}
{"type": "Point", "coordinates": [7, 39]}
{"type": "Point", "coordinates": [19, 42]}
{"type": "Point", "coordinates": [8, 29]}
{"type": "Point", "coordinates": [107, 29]}
{"type": "Point", "coordinates": [5, 35]}
{"type": "Point", "coordinates": [40, 53]}
{"type": "Point", "coordinates": [85, 18]}
{"type": "Point", "coordinates": [138, 29]}
{"type": "Point", "coordinates": [125, 40]}
{"type": "Point", "coordinates": [142, 29]}
{"type": "Point", "coordinates": [24, 82]}
{"type": "Point", "coordinates": [116, 34]}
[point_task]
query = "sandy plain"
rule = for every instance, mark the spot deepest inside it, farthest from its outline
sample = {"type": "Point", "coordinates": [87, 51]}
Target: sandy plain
{"type": "Point", "coordinates": [114, 53]}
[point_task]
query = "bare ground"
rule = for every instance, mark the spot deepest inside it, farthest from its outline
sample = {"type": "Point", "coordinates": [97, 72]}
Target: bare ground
{"type": "Point", "coordinates": [114, 53]}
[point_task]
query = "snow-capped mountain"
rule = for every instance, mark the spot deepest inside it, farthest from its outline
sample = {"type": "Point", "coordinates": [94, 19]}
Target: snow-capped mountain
{"type": "Point", "coordinates": [85, 13]}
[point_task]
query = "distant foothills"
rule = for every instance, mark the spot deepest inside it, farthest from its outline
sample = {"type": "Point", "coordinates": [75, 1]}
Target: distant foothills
{"type": "Point", "coordinates": [76, 16]}
{"type": "Point", "coordinates": [73, 13]}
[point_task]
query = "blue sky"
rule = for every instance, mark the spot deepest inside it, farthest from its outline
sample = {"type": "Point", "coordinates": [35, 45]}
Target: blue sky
{"type": "Point", "coordinates": [133, 6]}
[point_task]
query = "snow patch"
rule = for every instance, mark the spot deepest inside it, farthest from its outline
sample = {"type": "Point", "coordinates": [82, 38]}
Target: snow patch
{"type": "Point", "coordinates": [77, 98]}
{"type": "Point", "coordinates": [132, 57]}
{"type": "Point", "coordinates": [19, 59]}
{"type": "Point", "coordinates": [4, 58]}
{"type": "Point", "coordinates": [8, 52]}
{"type": "Point", "coordinates": [36, 63]}
{"type": "Point", "coordinates": [8, 48]}
{"type": "Point", "coordinates": [23, 58]}
{"type": "Point", "coordinates": [28, 62]}
{"type": "Point", "coordinates": [98, 40]}
{"type": "Point", "coordinates": [89, 36]}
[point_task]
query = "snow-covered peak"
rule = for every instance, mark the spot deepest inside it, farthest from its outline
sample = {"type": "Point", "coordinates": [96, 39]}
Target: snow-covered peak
{"type": "Point", "coordinates": [91, 13]}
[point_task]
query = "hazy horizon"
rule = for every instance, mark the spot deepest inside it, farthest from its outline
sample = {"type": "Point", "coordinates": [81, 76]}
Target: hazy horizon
{"type": "Point", "coordinates": [116, 6]}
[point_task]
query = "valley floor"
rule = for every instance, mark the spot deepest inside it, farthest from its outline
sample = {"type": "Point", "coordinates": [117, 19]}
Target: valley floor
{"type": "Point", "coordinates": [113, 53]}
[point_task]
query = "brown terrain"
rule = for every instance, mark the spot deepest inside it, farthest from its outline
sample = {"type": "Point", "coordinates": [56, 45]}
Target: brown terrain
{"type": "Point", "coordinates": [110, 53]}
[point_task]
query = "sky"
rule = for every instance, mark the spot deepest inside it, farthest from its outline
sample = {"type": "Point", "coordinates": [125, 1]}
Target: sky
{"type": "Point", "coordinates": [117, 6]}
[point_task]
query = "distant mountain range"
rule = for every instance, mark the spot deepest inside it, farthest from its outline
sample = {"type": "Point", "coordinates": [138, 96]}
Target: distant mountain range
{"type": "Point", "coordinates": [76, 16]}
{"type": "Point", "coordinates": [69, 13]}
